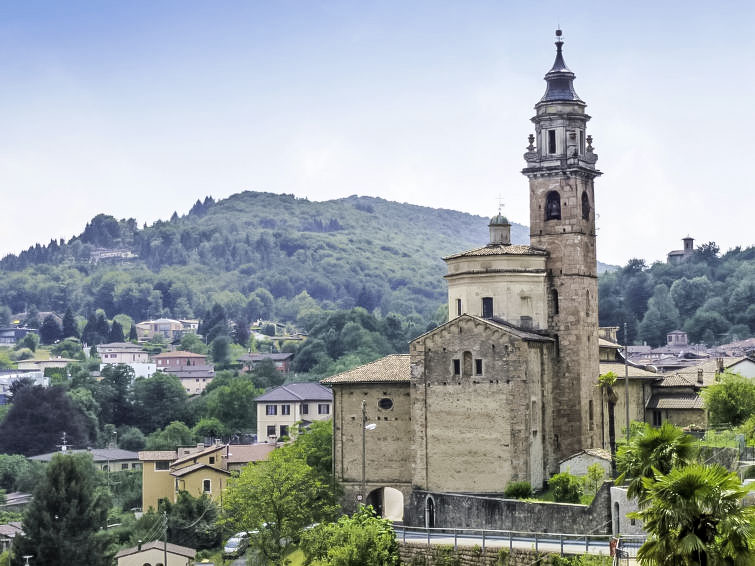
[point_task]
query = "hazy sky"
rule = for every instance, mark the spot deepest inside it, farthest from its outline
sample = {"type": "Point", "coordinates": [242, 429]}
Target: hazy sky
{"type": "Point", "coordinates": [138, 108]}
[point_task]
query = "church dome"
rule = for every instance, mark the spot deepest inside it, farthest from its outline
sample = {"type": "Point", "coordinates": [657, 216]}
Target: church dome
{"type": "Point", "coordinates": [499, 220]}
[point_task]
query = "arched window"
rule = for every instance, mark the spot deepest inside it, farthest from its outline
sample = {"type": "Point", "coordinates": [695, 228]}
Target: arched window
{"type": "Point", "coordinates": [585, 206]}
{"type": "Point", "coordinates": [553, 206]}
{"type": "Point", "coordinates": [554, 299]}
{"type": "Point", "coordinates": [587, 303]}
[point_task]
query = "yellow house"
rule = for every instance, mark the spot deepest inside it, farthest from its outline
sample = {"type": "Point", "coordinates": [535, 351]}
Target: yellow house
{"type": "Point", "coordinates": [153, 554]}
{"type": "Point", "coordinates": [195, 470]}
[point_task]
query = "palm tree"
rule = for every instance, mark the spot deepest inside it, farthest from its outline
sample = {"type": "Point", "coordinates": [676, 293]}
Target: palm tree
{"type": "Point", "coordinates": [694, 517]}
{"type": "Point", "coordinates": [651, 451]}
{"type": "Point", "coordinates": [606, 381]}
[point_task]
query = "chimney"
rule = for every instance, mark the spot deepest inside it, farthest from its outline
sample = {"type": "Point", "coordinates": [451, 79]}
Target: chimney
{"type": "Point", "coordinates": [719, 365]}
{"type": "Point", "coordinates": [700, 375]}
{"type": "Point", "coordinates": [138, 545]}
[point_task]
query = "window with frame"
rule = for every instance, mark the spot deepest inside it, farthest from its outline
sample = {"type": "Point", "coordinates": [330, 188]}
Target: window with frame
{"type": "Point", "coordinates": [271, 430]}
{"type": "Point", "coordinates": [458, 307]}
{"type": "Point", "coordinates": [487, 307]}
{"type": "Point", "coordinates": [551, 141]}
{"type": "Point", "coordinates": [585, 206]}
{"type": "Point", "coordinates": [323, 409]}
{"type": "Point", "coordinates": [212, 459]}
{"type": "Point", "coordinates": [284, 431]}
{"type": "Point", "coordinates": [271, 410]}
{"type": "Point", "coordinates": [457, 367]}
{"type": "Point", "coordinates": [124, 466]}
{"type": "Point", "coordinates": [657, 418]}
{"type": "Point", "coordinates": [285, 409]}
{"type": "Point", "coordinates": [207, 486]}
{"type": "Point", "coordinates": [162, 466]}
{"type": "Point", "coordinates": [304, 409]}
{"type": "Point", "coordinates": [478, 366]}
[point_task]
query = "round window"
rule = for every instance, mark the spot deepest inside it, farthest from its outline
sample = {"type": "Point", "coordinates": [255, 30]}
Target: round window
{"type": "Point", "coordinates": [385, 403]}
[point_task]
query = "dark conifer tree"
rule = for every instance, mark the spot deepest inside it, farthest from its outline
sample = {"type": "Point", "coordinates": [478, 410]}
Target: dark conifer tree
{"type": "Point", "coordinates": [63, 523]}
{"type": "Point", "coordinates": [70, 329]}
{"type": "Point", "coordinates": [116, 332]}
{"type": "Point", "coordinates": [49, 331]}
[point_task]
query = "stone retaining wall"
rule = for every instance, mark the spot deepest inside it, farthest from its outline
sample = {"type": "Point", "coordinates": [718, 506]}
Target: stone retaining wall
{"type": "Point", "coordinates": [418, 554]}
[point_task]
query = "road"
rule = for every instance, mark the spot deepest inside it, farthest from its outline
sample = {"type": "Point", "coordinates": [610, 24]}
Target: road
{"type": "Point", "coordinates": [567, 544]}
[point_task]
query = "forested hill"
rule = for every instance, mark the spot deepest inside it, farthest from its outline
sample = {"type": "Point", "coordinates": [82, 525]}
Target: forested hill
{"type": "Point", "coordinates": [356, 251]}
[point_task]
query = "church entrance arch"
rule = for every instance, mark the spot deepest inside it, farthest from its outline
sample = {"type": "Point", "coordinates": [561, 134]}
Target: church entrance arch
{"type": "Point", "coordinates": [429, 512]}
{"type": "Point", "coordinates": [388, 503]}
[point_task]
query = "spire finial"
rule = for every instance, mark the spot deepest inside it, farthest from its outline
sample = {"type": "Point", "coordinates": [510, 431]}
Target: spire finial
{"type": "Point", "coordinates": [500, 202]}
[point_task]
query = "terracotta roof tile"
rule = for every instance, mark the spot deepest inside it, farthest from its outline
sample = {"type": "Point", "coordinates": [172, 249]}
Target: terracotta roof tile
{"type": "Point", "coordinates": [499, 249]}
{"type": "Point", "coordinates": [150, 455]}
{"type": "Point", "coordinates": [390, 369]}
{"type": "Point", "coordinates": [675, 401]}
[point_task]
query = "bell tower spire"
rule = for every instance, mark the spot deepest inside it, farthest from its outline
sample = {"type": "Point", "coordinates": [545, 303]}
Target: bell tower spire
{"type": "Point", "coordinates": [561, 172]}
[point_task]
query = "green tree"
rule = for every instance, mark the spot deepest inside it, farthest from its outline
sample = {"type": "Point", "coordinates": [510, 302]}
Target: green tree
{"type": "Point", "coordinates": [266, 375]}
{"type": "Point", "coordinates": [650, 451]}
{"type": "Point", "coordinates": [158, 401]}
{"type": "Point", "coordinates": [37, 419]}
{"type": "Point", "coordinates": [277, 498]}
{"type": "Point", "coordinates": [220, 350]}
{"type": "Point", "coordinates": [594, 478]}
{"type": "Point", "coordinates": [360, 540]}
{"type": "Point", "coordinates": [314, 445]}
{"type": "Point", "coordinates": [17, 473]}
{"type": "Point", "coordinates": [116, 332]}
{"type": "Point", "coordinates": [193, 343]}
{"type": "Point", "coordinates": [50, 331]}
{"type": "Point", "coordinates": [566, 487]}
{"type": "Point", "coordinates": [175, 434]}
{"type": "Point", "coordinates": [660, 317]}
{"type": "Point", "coordinates": [131, 438]}
{"type": "Point", "coordinates": [694, 517]}
{"type": "Point", "coordinates": [730, 401]}
{"type": "Point", "coordinates": [233, 405]}
{"type": "Point", "coordinates": [70, 328]}
{"type": "Point", "coordinates": [31, 341]}
{"type": "Point", "coordinates": [209, 427]}
{"type": "Point", "coordinates": [690, 294]}
{"type": "Point", "coordinates": [192, 521]}
{"type": "Point", "coordinates": [63, 523]}
{"type": "Point", "coordinates": [113, 393]}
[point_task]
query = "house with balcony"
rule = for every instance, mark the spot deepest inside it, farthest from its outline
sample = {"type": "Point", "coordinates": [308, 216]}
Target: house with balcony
{"type": "Point", "coordinates": [126, 353]}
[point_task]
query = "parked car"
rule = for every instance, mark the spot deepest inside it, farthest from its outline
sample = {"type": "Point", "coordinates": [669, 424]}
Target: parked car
{"type": "Point", "coordinates": [236, 545]}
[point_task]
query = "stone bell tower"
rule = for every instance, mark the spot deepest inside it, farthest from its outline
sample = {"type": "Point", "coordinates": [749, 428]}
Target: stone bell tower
{"type": "Point", "coordinates": [561, 172]}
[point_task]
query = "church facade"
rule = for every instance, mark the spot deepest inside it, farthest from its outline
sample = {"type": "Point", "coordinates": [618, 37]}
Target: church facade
{"type": "Point", "coordinates": [506, 388]}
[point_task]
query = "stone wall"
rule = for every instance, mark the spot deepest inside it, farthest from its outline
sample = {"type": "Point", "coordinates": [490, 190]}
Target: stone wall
{"type": "Point", "coordinates": [476, 432]}
{"type": "Point", "coordinates": [478, 512]}
{"type": "Point", "coordinates": [417, 554]}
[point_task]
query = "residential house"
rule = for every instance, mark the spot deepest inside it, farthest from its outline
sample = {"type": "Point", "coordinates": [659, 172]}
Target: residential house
{"type": "Point", "coordinates": [154, 552]}
{"type": "Point", "coordinates": [192, 369]}
{"type": "Point", "coordinates": [281, 361]}
{"type": "Point", "coordinates": [578, 463]}
{"type": "Point", "coordinates": [16, 501]}
{"type": "Point", "coordinates": [9, 335]}
{"type": "Point", "coordinates": [239, 455]}
{"type": "Point", "coordinates": [42, 365]}
{"type": "Point", "coordinates": [168, 328]}
{"type": "Point", "coordinates": [106, 459]}
{"type": "Point", "coordinates": [280, 408]}
{"type": "Point", "coordinates": [8, 532]}
{"type": "Point", "coordinates": [129, 354]}
{"type": "Point", "coordinates": [196, 470]}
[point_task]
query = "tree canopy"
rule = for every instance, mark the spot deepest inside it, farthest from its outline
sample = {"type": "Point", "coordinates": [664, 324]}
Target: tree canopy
{"type": "Point", "coordinates": [731, 400]}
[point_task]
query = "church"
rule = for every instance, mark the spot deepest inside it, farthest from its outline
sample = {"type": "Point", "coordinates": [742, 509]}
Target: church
{"type": "Point", "coordinates": [506, 388]}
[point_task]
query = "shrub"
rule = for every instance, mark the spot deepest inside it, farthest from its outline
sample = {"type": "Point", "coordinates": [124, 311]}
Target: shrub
{"type": "Point", "coordinates": [566, 488]}
{"type": "Point", "coordinates": [518, 489]}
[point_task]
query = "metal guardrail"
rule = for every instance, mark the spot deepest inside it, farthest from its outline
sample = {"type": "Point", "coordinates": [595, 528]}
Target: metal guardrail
{"type": "Point", "coordinates": [571, 542]}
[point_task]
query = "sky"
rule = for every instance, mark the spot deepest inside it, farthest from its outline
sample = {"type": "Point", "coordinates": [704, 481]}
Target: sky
{"type": "Point", "coordinates": [137, 109]}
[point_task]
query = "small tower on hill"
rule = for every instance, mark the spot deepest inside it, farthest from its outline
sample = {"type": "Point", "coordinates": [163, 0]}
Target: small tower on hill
{"type": "Point", "coordinates": [561, 172]}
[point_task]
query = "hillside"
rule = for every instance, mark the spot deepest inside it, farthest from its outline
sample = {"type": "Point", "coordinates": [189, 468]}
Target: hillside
{"type": "Point", "coordinates": [356, 251]}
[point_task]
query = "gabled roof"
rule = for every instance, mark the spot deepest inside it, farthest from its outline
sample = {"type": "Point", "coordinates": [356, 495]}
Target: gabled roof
{"type": "Point", "coordinates": [204, 452]}
{"type": "Point", "coordinates": [499, 249]}
{"type": "Point", "coordinates": [594, 452]}
{"type": "Point", "coordinates": [618, 369]}
{"type": "Point", "coordinates": [390, 369]}
{"type": "Point", "coordinates": [495, 323]}
{"type": "Point", "coordinates": [675, 401]}
{"type": "Point", "coordinates": [276, 357]}
{"type": "Point", "coordinates": [157, 455]}
{"type": "Point", "coordinates": [245, 453]}
{"type": "Point", "coordinates": [98, 455]}
{"type": "Point", "coordinates": [179, 354]}
{"type": "Point", "coordinates": [156, 544]}
{"type": "Point", "coordinates": [194, 467]}
{"type": "Point", "coordinates": [298, 392]}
